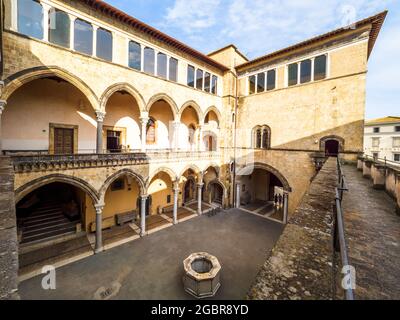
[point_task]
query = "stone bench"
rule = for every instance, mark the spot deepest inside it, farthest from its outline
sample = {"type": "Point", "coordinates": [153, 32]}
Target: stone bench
{"type": "Point", "coordinates": [125, 217]}
{"type": "Point", "coordinates": [168, 209]}
{"type": "Point", "coordinates": [105, 224]}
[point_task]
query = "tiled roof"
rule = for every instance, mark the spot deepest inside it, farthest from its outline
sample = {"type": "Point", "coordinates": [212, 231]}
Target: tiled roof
{"type": "Point", "coordinates": [390, 119]}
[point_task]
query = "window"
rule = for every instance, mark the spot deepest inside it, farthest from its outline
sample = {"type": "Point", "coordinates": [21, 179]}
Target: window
{"type": "Point", "coordinates": [258, 138]}
{"type": "Point", "coordinates": [320, 67]}
{"type": "Point", "coordinates": [190, 76]}
{"type": "Point", "coordinates": [377, 130]}
{"type": "Point", "coordinates": [293, 74]}
{"type": "Point", "coordinates": [261, 137]}
{"type": "Point", "coordinates": [199, 79]}
{"type": "Point", "coordinates": [261, 82]}
{"type": "Point", "coordinates": [135, 55]}
{"type": "Point", "coordinates": [104, 44]}
{"type": "Point", "coordinates": [375, 155]}
{"type": "Point", "coordinates": [207, 82]}
{"type": "Point", "coordinates": [214, 84]}
{"type": "Point", "coordinates": [149, 60]}
{"type": "Point", "coordinates": [397, 129]}
{"type": "Point", "coordinates": [30, 18]}
{"type": "Point", "coordinates": [396, 157]}
{"type": "Point", "coordinates": [252, 84]}
{"type": "Point", "coordinates": [375, 142]}
{"type": "Point", "coordinates": [396, 142]}
{"type": "Point", "coordinates": [83, 38]}
{"type": "Point", "coordinates": [265, 139]}
{"type": "Point", "coordinates": [59, 28]}
{"type": "Point", "coordinates": [271, 79]}
{"type": "Point", "coordinates": [151, 132]}
{"type": "Point", "coordinates": [162, 65]}
{"type": "Point", "coordinates": [305, 71]}
{"type": "Point", "coordinates": [169, 198]}
{"type": "Point", "coordinates": [173, 69]}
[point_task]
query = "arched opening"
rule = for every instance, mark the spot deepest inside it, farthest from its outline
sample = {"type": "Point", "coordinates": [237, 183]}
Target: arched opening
{"type": "Point", "coordinates": [211, 118]}
{"type": "Point", "coordinates": [262, 192]}
{"type": "Point", "coordinates": [160, 130]}
{"type": "Point", "coordinates": [188, 129]}
{"type": "Point", "coordinates": [48, 115]}
{"type": "Point", "coordinates": [121, 128]}
{"type": "Point", "coordinates": [210, 141]}
{"type": "Point", "coordinates": [189, 187]}
{"type": "Point", "coordinates": [210, 174]}
{"type": "Point", "coordinates": [216, 193]}
{"type": "Point", "coordinates": [331, 148]}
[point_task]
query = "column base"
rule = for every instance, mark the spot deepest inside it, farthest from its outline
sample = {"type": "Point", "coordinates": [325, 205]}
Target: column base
{"type": "Point", "coordinates": [100, 250]}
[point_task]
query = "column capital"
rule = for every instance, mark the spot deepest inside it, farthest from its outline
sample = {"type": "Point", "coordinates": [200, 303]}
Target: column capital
{"type": "Point", "coordinates": [200, 184]}
{"type": "Point", "coordinates": [144, 115]}
{"type": "Point", "coordinates": [144, 196]}
{"type": "Point", "coordinates": [3, 104]}
{"type": "Point", "coordinates": [99, 207]}
{"type": "Point", "coordinates": [100, 116]}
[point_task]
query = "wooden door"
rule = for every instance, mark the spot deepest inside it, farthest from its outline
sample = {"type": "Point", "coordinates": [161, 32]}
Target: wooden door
{"type": "Point", "coordinates": [63, 141]}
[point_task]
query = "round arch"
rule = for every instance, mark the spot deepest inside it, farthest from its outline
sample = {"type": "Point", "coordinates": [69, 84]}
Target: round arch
{"type": "Point", "coordinates": [215, 110]}
{"type": "Point", "coordinates": [166, 98]}
{"type": "Point", "coordinates": [31, 186]}
{"type": "Point", "coordinates": [258, 165]}
{"type": "Point", "coordinates": [123, 86]}
{"type": "Point", "coordinates": [119, 174]}
{"type": "Point", "coordinates": [196, 107]}
{"type": "Point", "coordinates": [18, 79]}
{"type": "Point", "coordinates": [168, 171]}
{"type": "Point", "coordinates": [340, 140]}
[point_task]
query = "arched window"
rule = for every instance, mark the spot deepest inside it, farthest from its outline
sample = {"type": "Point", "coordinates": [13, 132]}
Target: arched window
{"type": "Point", "coordinates": [59, 28]}
{"type": "Point", "coordinates": [258, 138]}
{"type": "Point", "coordinates": [149, 60]}
{"type": "Point", "coordinates": [83, 37]}
{"type": "Point", "coordinates": [151, 132]}
{"type": "Point", "coordinates": [30, 18]}
{"type": "Point", "coordinates": [265, 139]}
{"type": "Point", "coordinates": [261, 137]}
{"type": "Point", "coordinates": [135, 55]}
{"type": "Point", "coordinates": [104, 44]}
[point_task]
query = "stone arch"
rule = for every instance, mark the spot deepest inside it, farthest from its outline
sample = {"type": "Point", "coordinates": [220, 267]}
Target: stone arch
{"type": "Point", "coordinates": [219, 182]}
{"type": "Point", "coordinates": [123, 86]}
{"type": "Point", "coordinates": [258, 165]}
{"type": "Point", "coordinates": [27, 188]}
{"type": "Point", "coordinates": [18, 79]}
{"type": "Point", "coordinates": [214, 165]}
{"type": "Point", "coordinates": [193, 167]}
{"type": "Point", "coordinates": [215, 110]}
{"type": "Point", "coordinates": [339, 139]}
{"type": "Point", "coordinates": [167, 170]}
{"type": "Point", "coordinates": [166, 98]}
{"type": "Point", "coordinates": [196, 107]}
{"type": "Point", "coordinates": [121, 173]}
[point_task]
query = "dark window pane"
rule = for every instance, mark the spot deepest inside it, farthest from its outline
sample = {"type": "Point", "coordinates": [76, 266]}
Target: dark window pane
{"type": "Point", "coordinates": [173, 69]}
{"type": "Point", "coordinates": [271, 79]}
{"type": "Point", "coordinates": [207, 82]}
{"type": "Point", "coordinates": [258, 139]}
{"type": "Point", "coordinates": [135, 55]}
{"type": "Point", "coordinates": [149, 60]}
{"type": "Point", "coordinates": [83, 37]}
{"type": "Point", "coordinates": [305, 73]}
{"type": "Point", "coordinates": [190, 76]}
{"type": "Point", "coordinates": [199, 79]}
{"type": "Point", "coordinates": [261, 82]}
{"type": "Point", "coordinates": [320, 67]}
{"type": "Point", "coordinates": [104, 44]}
{"type": "Point", "coordinates": [293, 74]}
{"type": "Point", "coordinates": [252, 84]}
{"type": "Point", "coordinates": [377, 130]}
{"type": "Point", "coordinates": [214, 84]}
{"type": "Point", "coordinates": [30, 18]}
{"type": "Point", "coordinates": [162, 65]}
{"type": "Point", "coordinates": [397, 128]}
{"type": "Point", "coordinates": [265, 139]}
{"type": "Point", "coordinates": [59, 28]}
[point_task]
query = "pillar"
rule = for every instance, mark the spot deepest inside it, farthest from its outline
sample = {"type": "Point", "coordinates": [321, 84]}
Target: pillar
{"type": "Point", "coordinates": [175, 211]}
{"type": "Point", "coordinates": [94, 49]}
{"type": "Point", "coordinates": [72, 32]}
{"type": "Point", "coordinates": [199, 198]}
{"type": "Point", "coordinates": [46, 10]}
{"type": "Point", "coordinates": [359, 164]}
{"type": "Point", "coordinates": [285, 206]}
{"type": "Point", "coordinates": [99, 228]}
{"type": "Point", "coordinates": [99, 141]}
{"type": "Point", "coordinates": [201, 142]}
{"type": "Point", "coordinates": [378, 176]}
{"type": "Point", "coordinates": [143, 200]}
{"type": "Point", "coordinates": [237, 204]}
{"type": "Point", "coordinates": [14, 16]}
{"type": "Point", "coordinates": [144, 119]}
{"type": "Point", "coordinates": [367, 169]}
{"type": "Point", "coordinates": [175, 140]}
{"type": "Point", "coordinates": [3, 104]}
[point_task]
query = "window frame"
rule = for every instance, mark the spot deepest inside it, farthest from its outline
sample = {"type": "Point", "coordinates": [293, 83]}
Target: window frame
{"type": "Point", "coordinates": [164, 76]}
{"type": "Point", "coordinates": [130, 64]}
{"type": "Point", "coordinates": [90, 53]}
{"type": "Point", "coordinates": [169, 69]}
{"type": "Point", "coordinates": [67, 30]}
{"type": "Point", "coordinates": [145, 69]}
{"type": "Point", "coordinates": [197, 79]}
{"type": "Point", "coordinates": [98, 43]}
{"type": "Point", "coordinates": [191, 68]}
{"type": "Point", "coordinates": [19, 21]}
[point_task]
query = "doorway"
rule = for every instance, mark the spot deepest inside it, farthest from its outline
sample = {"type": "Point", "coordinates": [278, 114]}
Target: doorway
{"type": "Point", "coordinates": [331, 148]}
{"type": "Point", "coordinates": [63, 141]}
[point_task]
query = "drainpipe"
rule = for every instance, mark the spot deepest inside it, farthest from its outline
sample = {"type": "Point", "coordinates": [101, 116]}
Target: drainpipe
{"type": "Point", "coordinates": [234, 137]}
{"type": "Point", "coordinates": [1, 38]}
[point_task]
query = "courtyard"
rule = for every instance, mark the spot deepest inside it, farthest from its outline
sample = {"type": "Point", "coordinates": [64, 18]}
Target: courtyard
{"type": "Point", "coordinates": [151, 267]}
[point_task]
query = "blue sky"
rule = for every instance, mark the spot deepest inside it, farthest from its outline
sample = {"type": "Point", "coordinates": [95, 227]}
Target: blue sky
{"type": "Point", "coordinates": [258, 27]}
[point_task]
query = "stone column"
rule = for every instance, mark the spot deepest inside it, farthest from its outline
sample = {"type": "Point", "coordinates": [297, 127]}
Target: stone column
{"type": "Point", "coordinates": [144, 119]}
{"type": "Point", "coordinates": [99, 141]}
{"type": "Point", "coordinates": [3, 104]}
{"type": "Point", "coordinates": [99, 228]}
{"type": "Point", "coordinates": [359, 164]}
{"type": "Point", "coordinates": [285, 206]}
{"type": "Point", "coordinates": [176, 194]}
{"type": "Point", "coordinates": [199, 197]}
{"type": "Point", "coordinates": [237, 195]}
{"type": "Point", "coordinates": [378, 176]}
{"type": "Point", "coordinates": [143, 200]}
{"type": "Point", "coordinates": [175, 138]}
{"type": "Point", "coordinates": [200, 147]}
{"type": "Point", "coordinates": [94, 49]}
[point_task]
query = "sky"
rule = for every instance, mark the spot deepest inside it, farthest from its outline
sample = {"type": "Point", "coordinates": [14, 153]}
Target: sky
{"type": "Point", "coordinates": [258, 27]}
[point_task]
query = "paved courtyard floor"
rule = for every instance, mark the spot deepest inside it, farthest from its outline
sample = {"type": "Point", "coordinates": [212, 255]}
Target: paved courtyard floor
{"type": "Point", "coordinates": [151, 267]}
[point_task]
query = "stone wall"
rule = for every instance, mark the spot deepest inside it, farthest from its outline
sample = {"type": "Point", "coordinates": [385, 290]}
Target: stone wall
{"type": "Point", "coordinates": [8, 233]}
{"type": "Point", "coordinates": [300, 266]}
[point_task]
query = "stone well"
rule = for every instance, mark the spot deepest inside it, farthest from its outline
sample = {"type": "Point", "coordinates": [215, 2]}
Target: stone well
{"type": "Point", "coordinates": [202, 275]}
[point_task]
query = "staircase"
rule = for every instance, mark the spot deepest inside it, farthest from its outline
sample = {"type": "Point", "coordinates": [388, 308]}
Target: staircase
{"type": "Point", "coordinates": [45, 222]}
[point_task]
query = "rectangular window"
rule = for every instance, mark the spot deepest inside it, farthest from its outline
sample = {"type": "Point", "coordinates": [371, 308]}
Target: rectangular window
{"type": "Point", "coordinates": [149, 60]}
{"type": "Point", "coordinates": [162, 65]}
{"type": "Point", "coordinates": [30, 18]}
{"type": "Point", "coordinates": [207, 82]}
{"type": "Point", "coordinates": [271, 79]}
{"type": "Point", "coordinates": [135, 55]}
{"type": "Point", "coordinates": [377, 130]}
{"type": "Point", "coordinates": [396, 142]}
{"type": "Point", "coordinates": [320, 67]}
{"type": "Point", "coordinates": [252, 84]}
{"type": "Point", "coordinates": [59, 28]}
{"type": "Point", "coordinates": [190, 76]}
{"type": "Point", "coordinates": [396, 157]}
{"type": "Point", "coordinates": [169, 198]}
{"type": "Point", "coordinates": [104, 44]}
{"type": "Point", "coordinates": [173, 69]}
{"type": "Point", "coordinates": [214, 84]}
{"type": "Point", "coordinates": [375, 155]}
{"type": "Point", "coordinates": [83, 37]}
{"type": "Point", "coordinates": [397, 129]}
{"type": "Point", "coordinates": [375, 142]}
{"type": "Point", "coordinates": [293, 74]}
{"type": "Point", "coordinates": [261, 82]}
{"type": "Point", "coordinates": [199, 79]}
{"type": "Point", "coordinates": [305, 71]}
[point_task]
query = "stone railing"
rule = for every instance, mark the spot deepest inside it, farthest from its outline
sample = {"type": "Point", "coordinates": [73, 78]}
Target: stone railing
{"type": "Point", "coordinates": [384, 174]}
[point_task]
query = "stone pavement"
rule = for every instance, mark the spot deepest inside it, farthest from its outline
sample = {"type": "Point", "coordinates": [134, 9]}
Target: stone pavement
{"type": "Point", "coordinates": [373, 237]}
